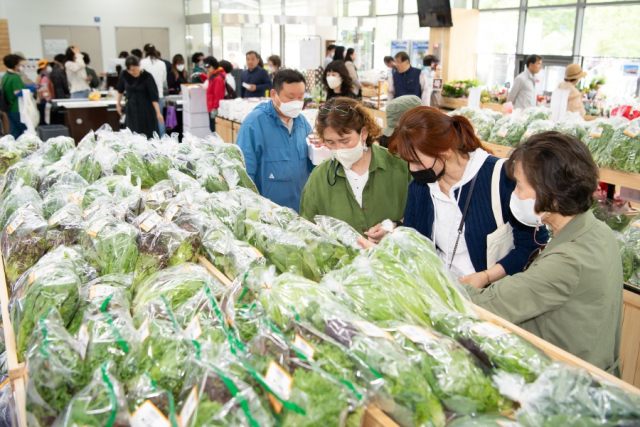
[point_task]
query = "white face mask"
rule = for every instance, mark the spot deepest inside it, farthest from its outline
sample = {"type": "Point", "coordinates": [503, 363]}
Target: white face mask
{"type": "Point", "coordinates": [180, 67]}
{"type": "Point", "coordinates": [271, 69]}
{"type": "Point", "coordinates": [334, 82]}
{"type": "Point", "coordinates": [350, 156]}
{"type": "Point", "coordinates": [49, 69]}
{"type": "Point", "coordinates": [290, 109]}
{"type": "Point", "coordinates": [524, 211]}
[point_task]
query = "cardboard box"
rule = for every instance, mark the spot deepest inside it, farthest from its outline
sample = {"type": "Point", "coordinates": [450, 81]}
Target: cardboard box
{"type": "Point", "coordinates": [194, 98]}
{"type": "Point", "coordinates": [198, 132]}
{"type": "Point", "coordinates": [195, 120]}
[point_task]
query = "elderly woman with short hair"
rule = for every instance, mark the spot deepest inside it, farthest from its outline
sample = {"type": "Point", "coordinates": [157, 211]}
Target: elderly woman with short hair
{"type": "Point", "coordinates": [571, 293]}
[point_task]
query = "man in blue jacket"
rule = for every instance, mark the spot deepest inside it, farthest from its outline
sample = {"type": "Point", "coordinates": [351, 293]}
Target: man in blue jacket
{"type": "Point", "coordinates": [273, 138]}
{"type": "Point", "coordinates": [255, 79]}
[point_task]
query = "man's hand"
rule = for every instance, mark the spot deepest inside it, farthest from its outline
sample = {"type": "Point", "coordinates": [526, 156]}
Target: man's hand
{"type": "Point", "coordinates": [477, 280]}
{"type": "Point", "coordinates": [252, 88]}
{"type": "Point", "coordinates": [376, 233]}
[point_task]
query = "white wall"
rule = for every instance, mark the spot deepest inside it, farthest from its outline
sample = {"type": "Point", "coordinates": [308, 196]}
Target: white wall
{"type": "Point", "coordinates": [26, 16]}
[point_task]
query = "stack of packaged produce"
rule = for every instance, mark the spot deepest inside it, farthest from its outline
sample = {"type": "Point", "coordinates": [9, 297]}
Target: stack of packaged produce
{"type": "Point", "coordinates": [614, 142]}
{"type": "Point", "coordinates": [119, 326]}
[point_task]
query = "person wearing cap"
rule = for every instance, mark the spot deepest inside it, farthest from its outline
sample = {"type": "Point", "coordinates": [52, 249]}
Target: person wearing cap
{"type": "Point", "coordinates": [215, 88]}
{"type": "Point", "coordinates": [572, 76]}
{"type": "Point", "coordinates": [363, 184]}
{"type": "Point", "coordinates": [395, 110]}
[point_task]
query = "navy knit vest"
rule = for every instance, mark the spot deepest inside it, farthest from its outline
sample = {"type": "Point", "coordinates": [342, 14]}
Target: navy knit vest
{"type": "Point", "coordinates": [407, 83]}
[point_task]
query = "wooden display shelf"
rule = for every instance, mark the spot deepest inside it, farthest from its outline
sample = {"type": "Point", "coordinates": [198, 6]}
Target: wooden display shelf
{"type": "Point", "coordinates": [630, 348]}
{"type": "Point", "coordinates": [453, 103]}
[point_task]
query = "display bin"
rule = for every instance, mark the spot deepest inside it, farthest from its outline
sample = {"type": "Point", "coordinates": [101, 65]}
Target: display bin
{"type": "Point", "coordinates": [51, 131]}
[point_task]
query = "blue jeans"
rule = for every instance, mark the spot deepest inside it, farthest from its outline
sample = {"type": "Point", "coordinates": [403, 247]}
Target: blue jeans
{"type": "Point", "coordinates": [81, 94]}
{"type": "Point", "coordinates": [161, 128]}
{"type": "Point", "coordinates": [16, 127]}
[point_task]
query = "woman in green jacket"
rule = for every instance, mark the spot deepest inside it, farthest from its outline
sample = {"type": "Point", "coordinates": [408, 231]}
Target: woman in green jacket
{"type": "Point", "coordinates": [571, 294]}
{"type": "Point", "coordinates": [363, 184]}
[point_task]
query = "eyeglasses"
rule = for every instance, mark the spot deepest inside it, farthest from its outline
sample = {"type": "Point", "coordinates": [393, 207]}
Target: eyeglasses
{"type": "Point", "coordinates": [339, 111]}
{"type": "Point", "coordinates": [536, 253]}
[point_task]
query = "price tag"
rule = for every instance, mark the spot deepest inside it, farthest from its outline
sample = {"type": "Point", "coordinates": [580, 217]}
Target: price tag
{"type": "Point", "coordinates": [97, 291]}
{"type": "Point", "coordinates": [526, 134]}
{"type": "Point", "coordinates": [149, 223]}
{"type": "Point", "coordinates": [193, 329]}
{"type": "Point", "coordinates": [13, 226]}
{"type": "Point", "coordinates": [77, 196]}
{"type": "Point", "coordinates": [508, 423]}
{"type": "Point", "coordinates": [503, 132]}
{"type": "Point", "coordinates": [489, 330]}
{"type": "Point", "coordinates": [304, 347]}
{"type": "Point", "coordinates": [279, 380]}
{"type": "Point", "coordinates": [90, 211]}
{"type": "Point", "coordinates": [44, 271]}
{"type": "Point", "coordinates": [147, 415]}
{"type": "Point", "coordinates": [371, 330]}
{"type": "Point", "coordinates": [416, 334]}
{"type": "Point", "coordinates": [632, 131]}
{"type": "Point", "coordinates": [596, 132]}
{"type": "Point", "coordinates": [257, 252]}
{"type": "Point", "coordinates": [156, 196]}
{"type": "Point", "coordinates": [58, 217]}
{"type": "Point", "coordinates": [189, 407]}
{"type": "Point", "coordinates": [96, 227]}
{"type": "Point", "coordinates": [83, 340]}
{"type": "Point", "coordinates": [143, 330]}
{"type": "Point", "coordinates": [171, 212]}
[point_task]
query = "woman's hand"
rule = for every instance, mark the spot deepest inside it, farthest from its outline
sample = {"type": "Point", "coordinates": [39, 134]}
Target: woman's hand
{"type": "Point", "coordinates": [119, 109]}
{"type": "Point", "coordinates": [160, 118]}
{"type": "Point", "coordinates": [75, 49]}
{"type": "Point", "coordinates": [477, 280]}
{"type": "Point", "coordinates": [375, 233]}
{"type": "Point", "coordinates": [365, 244]}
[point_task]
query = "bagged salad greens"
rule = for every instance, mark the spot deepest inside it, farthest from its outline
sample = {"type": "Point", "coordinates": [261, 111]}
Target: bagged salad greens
{"type": "Point", "coordinates": [623, 151]}
{"type": "Point", "coordinates": [23, 241]}
{"type": "Point", "coordinates": [162, 244]}
{"type": "Point", "coordinates": [340, 231]}
{"type": "Point", "coordinates": [571, 123]}
{"type": "Point", "coordinates": [417, 254]}
{"type": "Point", "coordinates": [493, 345]}
{"type": "Point", "coordinates": [20, 195]}
{"type": "Point", "coordinates": [508, 130]}
{"type": "Point", "coordinates": [234, 172]}
{"type": "Point", "coordinates": [65, 226]}
{"type": "Point", "coordinates": [55, 148]}
{"type": "Point", "coordinates": [71, 187]}
{"type": "Point", "coordinates": [87, 165]}
{"type": "Point", "coordinates": [210, 176]}
{"type": "Point", "coordinates": [110, 245]}
{"type": "Point", "coordinates": [533, 114]}
{"type": "Point", "coordinates": [467, 112]}
{"type": "Point", "coordinates": [597, 137]}
{"type": "Point", "coordinates": [568, 396]}
{"type": "Point", "coordinates": [232, 257]}
{"type": "Point", "coordinates": [535, 127]}
{"type": "Point", "coordinates": [10, 153]}
{"type": "Point", "coordinates": [20, 171]}
{"type": "Point", "coordinates": [149, 401]}
{"type": "Point", "coordinates": [182, 182]}
{"type": "Point", "coordinates": [132, 161]}
{"type": "Point", "coordinates": [455, 375]}
{"type": "Point", "coordinates": [56, 367]}
{"type": "Point", "coordinates": [481, 421]}
{"type": "Point", "coordinates": [101, 403]}
{"type": "Point", "coordinates": [159, 196]}
{"type": "Point", "coordinates": [483, 123]}
{"type": "Point", "coordinates": [158, 165]}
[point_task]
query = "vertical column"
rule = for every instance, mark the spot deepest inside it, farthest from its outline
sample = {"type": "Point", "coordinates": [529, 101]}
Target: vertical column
{"type": "Point", "coordinates": [216, 29]}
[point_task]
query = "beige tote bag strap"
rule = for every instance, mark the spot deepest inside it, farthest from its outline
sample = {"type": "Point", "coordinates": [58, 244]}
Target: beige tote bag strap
{"type": "Point", "coordinates": [496, 205]}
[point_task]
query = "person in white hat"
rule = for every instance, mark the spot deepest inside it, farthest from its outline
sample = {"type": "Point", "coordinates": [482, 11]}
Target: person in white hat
{"type": "Point", "coordinates": [572, 76]}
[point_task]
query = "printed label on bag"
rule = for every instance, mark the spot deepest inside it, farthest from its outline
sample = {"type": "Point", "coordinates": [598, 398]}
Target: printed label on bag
{"type": "Point", "coordinates": [258, 253]}
{"type": "Point", "coordinates": [149, 223]}
{"type": "Point", "coordinates": [77, 196]}
{"type": "Point", "coordinates": [171, 212]}
{"type": "Point", "coordinates": [508, 423]}
{"type": "Point", "coordinates": [90, 211]}
{"type": "Point", "coordinates": [193, 329]}
{"type": "Point", "coordinates": [304, 347]}
{"type": "Point", "coordinates": [596, 132]}
{"type": "Point", "coordinates": [58, 217]}
{"type": "Point", "coordinates": [98, 291]}
{"type": "Point", "coordinates": [489, 330]}
{"type": "Point", "coordinates": [83, 340]}
{"type": "Point", "coordinates": [147, 415]}
{"type": "Point", "coordinates": [143, 330]}
{"type": "Point", "coordinates": [503, 132]}
{"type": "Point", "coordinates": [189, 407]}
{"type": "Point", "coordinates": [279, 380]}
{"type": "Point", "coordinates": [17, 222]}
{"type": "Point", "coordinates": [44, 271]}
{"type": "Point", "coordinates": [156, 196]}
{"type": "Point", "coordinates": [416, 333]}
{"type": "Point", "coordinates": [632, 131]}
{"type": "Point", "coordinates": [96, 227]}
{"type": "Point", "coordinates": [371, 330]}
{"type": "Point", "coordinates": [527, 134]}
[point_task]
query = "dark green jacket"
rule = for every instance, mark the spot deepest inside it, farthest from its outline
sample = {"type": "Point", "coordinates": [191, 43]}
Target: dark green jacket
{"type": "Point", "coordinates": [384, 196]}
{"type": "Point", "coordinates": [571, 296]}
{"type": "Point", "coordinates": [12, 82]}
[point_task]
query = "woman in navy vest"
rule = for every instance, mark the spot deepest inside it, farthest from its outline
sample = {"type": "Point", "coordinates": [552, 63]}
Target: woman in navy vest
{"type": "Point", "coordinates": [451, 169]}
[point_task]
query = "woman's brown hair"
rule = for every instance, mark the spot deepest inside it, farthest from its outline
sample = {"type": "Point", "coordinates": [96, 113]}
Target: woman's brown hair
{"type": "Point", "coordinates": [560, 169]}
{"type": "Point", "coordinates": [429, 131]}
{"type": "Point", "coordinates": [345, 115]}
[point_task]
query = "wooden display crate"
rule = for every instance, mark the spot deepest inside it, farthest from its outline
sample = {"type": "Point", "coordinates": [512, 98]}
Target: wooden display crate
{"type": "Point", "coordinates": [453, 103]}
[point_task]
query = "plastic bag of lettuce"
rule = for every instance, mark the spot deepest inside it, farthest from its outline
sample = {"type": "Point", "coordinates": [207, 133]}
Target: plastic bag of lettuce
{"type": "Point", "coordinates": [508, 130]}
{"type": "Point", "coordinates": [535, 127]}
{"type": "Point", "coordinates": [110, 245]}
{"type": "Point", "coordinates": [623, 151]}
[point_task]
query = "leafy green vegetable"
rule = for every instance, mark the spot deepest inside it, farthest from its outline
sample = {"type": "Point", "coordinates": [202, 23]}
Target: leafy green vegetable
{"type": "Point", "coordinates": [496, 347]}
{"type": "Point", "coordinates": [535, 127]}
{"type": "Point", "coordinates": [483, 124]}
{"type": "Point", "coordinates": [110, 245]}
{"type": "Point", "coordinates": [20, 195]}
{"type": "Point", "coordinates": [182, 182]}
{"type": "Point", "coordinates": [55, 148]}
{"type": "Point", "coordinates": [158, 165]}
{"type": "Point", "coordinates": [132, 161]}
{"type": "Point", "coordinates": [23, 241]}
{"type": "Point", "coordinates": [597, 138]}
{"type": "Point", "coordinates": [143, 389]}
{"type": "Point", "coordinates": [87, 165]}
{"type": "Point", "coordinates": [20, 171]}
{"type": "Point", "coordinates": [71, 187]}
{"type": "Point", "coordinates": [623, 151]}
{"type": "Point", "coordinates": [533, 114]}
{"type": "Point", "coordinates": [508, 130]}
{"type": "Point", "coordinates": [65, 226]}
{"type": "Point", "coordinates": [232, 257]}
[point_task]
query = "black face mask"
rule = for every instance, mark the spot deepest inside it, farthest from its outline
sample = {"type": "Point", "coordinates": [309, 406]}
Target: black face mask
{"type": "Point", "coordinates": [427, 176]}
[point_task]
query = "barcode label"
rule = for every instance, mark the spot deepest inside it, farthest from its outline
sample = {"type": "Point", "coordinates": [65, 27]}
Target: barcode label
{"type": "Point", "coordinates": [416, 334]}
{"type": "Point", "coordinates": [149, 223]}
{"type": "Point", "coordinates": [171, 212]}
{"type": "Point", "coordinates": [489, 330]}
{"type": "Point", "coordinates": [156, 196]}
{"type": "Point", "coordinates": [147, 415]}
{"type": "Point", "coordinates": [503, 132]}
{"type": "Point", "coordinates": [279, 380]}
{"type": "Point", "coordinates": [371, 330]}
{"type": "Point", "coordinates": [304, 347]}
{"type": "Point", "coordinates": [189, 407]}
{"type": "Point", "coordinates": [44, 271]}
{"type": "Point", "coordinates": [632, 131]}
{"type": "Point", "coordinates": [77, 196]}
{"type": "Point", "coordinates": [90, 211]}
{"type": "Point", "coordinates": [58, 217]}
{"type": "Point", "coordinates": [96, 227]}
{"type": "Point", "coordinates": [596, 132]}
{"type": "Point", "coordinates": [17, 222]}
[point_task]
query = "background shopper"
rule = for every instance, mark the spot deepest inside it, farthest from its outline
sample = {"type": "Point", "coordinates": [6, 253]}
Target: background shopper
{"type": "Point", "coordinates": [76, 73]}
{"type": "Point", "coordinates": [523, 92]}
{"type": "Point", "coordinates": [154, 66]}
{"type": "Point", "coordinates": [337, 81]}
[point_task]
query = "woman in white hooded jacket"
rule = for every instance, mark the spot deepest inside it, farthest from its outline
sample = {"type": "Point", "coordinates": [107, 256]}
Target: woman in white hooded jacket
{"type": "Point", "coordinates": [76, 73]}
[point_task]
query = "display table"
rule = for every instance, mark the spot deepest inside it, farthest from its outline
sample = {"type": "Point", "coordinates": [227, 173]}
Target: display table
{"type": "Point", "coordinates": [82, 116]}
{"type": "Point", "coordinates": [630, 349]}
{"type": "Point", "coordinates": [455, 103]}
{"type": "Point", "coordinates": [227, 129]}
